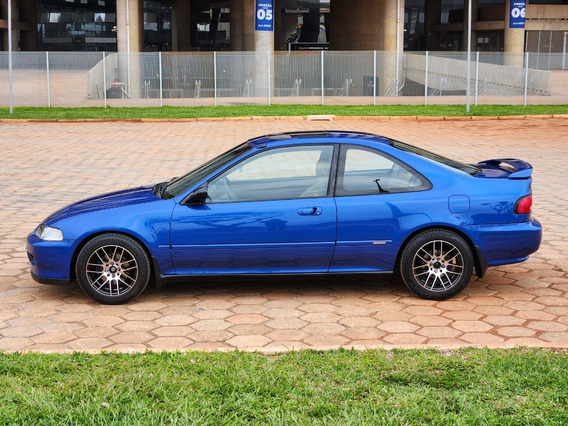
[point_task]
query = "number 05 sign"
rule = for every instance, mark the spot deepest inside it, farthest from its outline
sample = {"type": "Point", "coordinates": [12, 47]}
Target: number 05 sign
{"type": "Point", "coordinates": [264, 16]}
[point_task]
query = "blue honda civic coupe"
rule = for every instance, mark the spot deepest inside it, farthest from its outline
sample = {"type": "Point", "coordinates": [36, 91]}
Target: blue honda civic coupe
{"type": "Point", "coordinates": [330, 202]}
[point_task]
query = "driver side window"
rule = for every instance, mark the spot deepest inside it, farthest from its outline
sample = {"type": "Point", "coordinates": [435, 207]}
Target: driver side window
{"type": "Point", "coordinates": [275, 174]}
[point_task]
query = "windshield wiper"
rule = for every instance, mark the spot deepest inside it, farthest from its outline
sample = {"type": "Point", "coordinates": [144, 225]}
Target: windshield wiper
{"type": "Point", "coordinates": [159, 189]}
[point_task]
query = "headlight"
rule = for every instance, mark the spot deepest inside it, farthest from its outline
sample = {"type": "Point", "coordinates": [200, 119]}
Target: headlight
{"type": "Point", "coordinates": [47, 233]}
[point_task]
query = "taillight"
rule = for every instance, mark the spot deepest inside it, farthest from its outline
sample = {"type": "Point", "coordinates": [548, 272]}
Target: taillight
{"type": "Point", "coordinates": [523, 205]}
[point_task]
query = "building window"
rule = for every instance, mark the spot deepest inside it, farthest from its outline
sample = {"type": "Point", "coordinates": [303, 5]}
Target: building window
{"type": "Point", "coordinates": [304, 25]}
{"type": "Point", "coordinates": [157, 26]}
{"type": "Point", "coordinates": [77, 25]}
{"type": "Point", "coordinates": [210, 25]}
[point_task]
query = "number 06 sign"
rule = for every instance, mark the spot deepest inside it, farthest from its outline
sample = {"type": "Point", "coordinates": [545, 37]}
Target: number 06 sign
{"type": "Point", "coordinates": [264, 16]}
{"type": "Point", "coordinates": [517, 14]}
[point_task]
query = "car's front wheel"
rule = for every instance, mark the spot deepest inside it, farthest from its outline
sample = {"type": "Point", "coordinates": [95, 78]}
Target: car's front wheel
{"type": "Point", "coordinates": [436, 264]}
{"type": "Point", "coordinates": [112, 269]}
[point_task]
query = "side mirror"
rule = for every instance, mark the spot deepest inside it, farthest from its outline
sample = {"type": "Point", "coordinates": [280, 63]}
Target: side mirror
{"type": "Point", "coordinates": [197, 197]}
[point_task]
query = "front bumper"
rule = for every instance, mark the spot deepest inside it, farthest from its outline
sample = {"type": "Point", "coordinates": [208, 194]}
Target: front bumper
{"type": "Point", "coordinates": [50, 281]}
{"type": "Point", "coordinates": [50, 261]}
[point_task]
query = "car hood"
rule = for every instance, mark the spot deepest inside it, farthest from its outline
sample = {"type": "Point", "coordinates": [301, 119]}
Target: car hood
{"type": "Point", "coordinates": [127, 197]}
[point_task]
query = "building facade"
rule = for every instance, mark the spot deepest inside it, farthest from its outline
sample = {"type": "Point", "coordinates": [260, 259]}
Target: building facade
{"type": "Point", "coordinates": [205, 25]}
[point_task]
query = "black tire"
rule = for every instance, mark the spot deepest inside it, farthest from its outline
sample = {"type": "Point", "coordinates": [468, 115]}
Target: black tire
{"type": "Point", "coordinates": [436, 264]}
{"type": "Point", "coordinates": [112, 269]}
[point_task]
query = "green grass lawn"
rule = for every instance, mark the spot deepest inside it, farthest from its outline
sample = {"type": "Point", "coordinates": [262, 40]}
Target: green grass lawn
{"type": "Point", "coordinates": [467, 386]}
{"type": "Point", "coordinates": [277, 110]}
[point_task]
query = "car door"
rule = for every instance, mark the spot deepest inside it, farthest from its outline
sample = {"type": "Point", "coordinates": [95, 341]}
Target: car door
{"type": "Point", "coordinates": [379, 200]}
{"type": "Point", "coordinates": [270, 213]}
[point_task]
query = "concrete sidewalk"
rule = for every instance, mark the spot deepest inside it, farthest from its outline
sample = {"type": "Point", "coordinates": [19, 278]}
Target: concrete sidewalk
{"type": "Point", "coordinates": [45, 166]}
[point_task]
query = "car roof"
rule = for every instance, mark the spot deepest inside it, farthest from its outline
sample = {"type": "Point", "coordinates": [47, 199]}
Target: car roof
{"type": "Point", "coordinates": [320, 135]}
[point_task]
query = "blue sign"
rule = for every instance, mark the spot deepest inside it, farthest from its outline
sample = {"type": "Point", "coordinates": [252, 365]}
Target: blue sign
{"type": "Point", "coordinates": [264, 15]}
{"type": "Point", "coordinates": [517, 14]}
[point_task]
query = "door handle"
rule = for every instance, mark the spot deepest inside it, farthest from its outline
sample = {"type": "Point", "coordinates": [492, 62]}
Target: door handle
{"type": "Point", "coordinates": [309, 211]}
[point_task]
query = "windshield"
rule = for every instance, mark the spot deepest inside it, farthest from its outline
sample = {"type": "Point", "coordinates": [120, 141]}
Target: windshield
{"type": "Point", "coordinates": [183, 183]}
{"type": "Point", "coordinates": [472, 170]}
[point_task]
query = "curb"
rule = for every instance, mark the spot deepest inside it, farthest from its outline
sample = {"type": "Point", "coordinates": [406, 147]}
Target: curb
{"type": "Point", "coordinates": [287, 118]}
{"type": "Point", "coordinates": [275, 350]}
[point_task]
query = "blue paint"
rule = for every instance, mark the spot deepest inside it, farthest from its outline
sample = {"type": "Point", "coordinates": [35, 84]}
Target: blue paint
{"type": "Point", "coordinates": [290, 230]}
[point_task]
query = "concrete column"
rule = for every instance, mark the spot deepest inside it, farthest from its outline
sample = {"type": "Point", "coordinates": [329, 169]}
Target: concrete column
{"type": "Point", "coordinates": [474, 17]}
{"type": "Point", "coordinates": [260, 42]}
{"type": "Point", "coordinates": [263, 46]}
{"type": "Point", "coordinates": [371, 25]}
{"type": "Point", "coordinates": [356, 24]}
{"type": "Point", "coordinates": [391, 23]}
{"type": "Point", "coordinates": [514, 41]}
{"type": "Point", "coordinates": [181, 34]}
{"type": "Point", "coordinates": [129, 42]}
{"type": "Point", "coordinates": [366, 24]}
{"type": "Point", "coordinates": [130, 26]}
{"type": "Point", "coordinates": [392, 35]}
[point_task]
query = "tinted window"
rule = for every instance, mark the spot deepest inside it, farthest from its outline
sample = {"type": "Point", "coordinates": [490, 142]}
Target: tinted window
{"type": "Point", "coordinates": [182, 184]}
{"type": "Point", "coordinates": [472, 170]}
{"type": "Point", "coordinates": [281, 173]}
{"type": "Point", "coordinates": [366, 171]}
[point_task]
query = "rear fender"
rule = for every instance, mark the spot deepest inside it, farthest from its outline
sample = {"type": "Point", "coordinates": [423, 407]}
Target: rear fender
{"type": "Point", "coordinates": [479, 262]}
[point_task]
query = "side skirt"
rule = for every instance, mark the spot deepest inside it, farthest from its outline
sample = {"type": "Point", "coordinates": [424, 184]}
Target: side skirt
{"type": "Point", "coordinates": [162, 280]}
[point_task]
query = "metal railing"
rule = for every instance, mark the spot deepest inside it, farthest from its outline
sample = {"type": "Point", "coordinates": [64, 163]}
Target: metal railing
{"type": "Point", "coordinates": [74, 79]}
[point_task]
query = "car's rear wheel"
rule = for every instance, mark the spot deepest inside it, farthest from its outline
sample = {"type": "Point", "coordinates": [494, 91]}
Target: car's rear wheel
{"type": "Point", "coordinates": [112, 269]}
{"type": "Point", "coordinates": [436, 264]}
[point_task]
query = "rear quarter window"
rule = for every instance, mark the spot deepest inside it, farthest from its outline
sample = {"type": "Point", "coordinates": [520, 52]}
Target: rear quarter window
{"type": "Point", "coordinates": [467, 168]}
{"type": "Point", "coordinates": [365, 171]}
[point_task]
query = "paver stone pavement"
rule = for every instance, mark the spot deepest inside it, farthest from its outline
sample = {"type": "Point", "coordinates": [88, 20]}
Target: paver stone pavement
{"type": "Point", "coordinates": [46, 165]}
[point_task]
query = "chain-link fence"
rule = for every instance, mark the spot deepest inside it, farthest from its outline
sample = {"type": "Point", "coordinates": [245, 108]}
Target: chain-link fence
{"type": "Point", "coordinates": [74, 79]}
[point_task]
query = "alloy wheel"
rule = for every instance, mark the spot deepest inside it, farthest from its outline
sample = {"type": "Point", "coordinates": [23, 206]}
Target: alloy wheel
{"type": "Point", "coordinates": [111, 270]}
{"type": "Point", "coordinates": [438, 265]}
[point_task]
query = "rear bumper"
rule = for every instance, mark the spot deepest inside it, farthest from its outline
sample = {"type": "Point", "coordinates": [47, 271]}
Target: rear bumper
{"type": "Point", "coordinates": [506, 243]}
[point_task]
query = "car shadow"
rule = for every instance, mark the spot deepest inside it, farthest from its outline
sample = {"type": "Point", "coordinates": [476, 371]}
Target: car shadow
{"type": "Point", "coordinates": [340, 286]}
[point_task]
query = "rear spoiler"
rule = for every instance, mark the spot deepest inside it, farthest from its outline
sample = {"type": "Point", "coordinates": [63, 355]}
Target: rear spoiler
{"type": "Point", "coordinates": [519, 169]}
